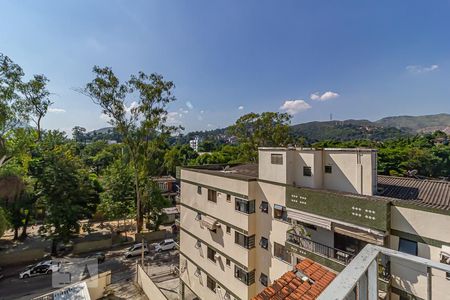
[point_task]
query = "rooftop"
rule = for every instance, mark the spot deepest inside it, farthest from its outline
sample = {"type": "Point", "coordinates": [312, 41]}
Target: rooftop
{"type": "Point", "coordinates": [431, 193]}
{"type": "Point", "coordinates": [423, 192]}
{"type": "Point", "coordinates": [306, 282]}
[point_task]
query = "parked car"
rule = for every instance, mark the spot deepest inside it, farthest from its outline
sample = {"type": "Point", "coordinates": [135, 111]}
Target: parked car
{"type": "Point", "coordinates": [135, 250]}
{"type": "Point", "coordinates": [44, 267]}
{"type": "Point", "coordinates": [100, 256]}
{"type": "Point", "coordinates": [168, 244]}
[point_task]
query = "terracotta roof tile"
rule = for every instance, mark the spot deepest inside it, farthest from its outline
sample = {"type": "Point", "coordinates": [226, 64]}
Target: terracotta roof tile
{"type": "Point", "coordinates": [291, 287]}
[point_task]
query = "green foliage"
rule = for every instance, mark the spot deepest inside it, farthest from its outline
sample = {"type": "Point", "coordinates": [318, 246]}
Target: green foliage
{"type": "Point", "coordinates": [118, 198]}
{"type": "Point", "coordinates": [178, 156]}
{"type": "Point", "coordinates": [268, 129]}
{"type": "Point", "coordinates": [4, 223]}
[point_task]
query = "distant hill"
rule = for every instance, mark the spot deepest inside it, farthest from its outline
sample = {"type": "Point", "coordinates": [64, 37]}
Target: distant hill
{"type": "Point", "coordinates": [385, 128]}
{"type": "Point", "coordinates": [428, 123]}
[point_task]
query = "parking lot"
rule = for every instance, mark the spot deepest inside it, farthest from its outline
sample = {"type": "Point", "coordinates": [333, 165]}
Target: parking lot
{"type": "Point", "coordinates": [122, 269]}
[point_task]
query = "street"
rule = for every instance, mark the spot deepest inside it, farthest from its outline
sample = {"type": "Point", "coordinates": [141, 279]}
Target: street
{"type": "Point", "coordinates": [11, 287]}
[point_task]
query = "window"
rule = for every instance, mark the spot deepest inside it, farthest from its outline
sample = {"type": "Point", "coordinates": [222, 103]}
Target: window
{"type": "Point", "coordinates": [264, 243]}
{"type": "Point", "coordinates": [228, 262]}
{"type": "Point", "coordinates": [445, 259]}
{"type": "Point", "coordinates": [212, 195]}
{"type": "Point", "coordinates": [276, 159]}
{"type": "Point", "coordinates": [280, 252]}
{"type": "Point", "coordinates": [228, 198]}
{"type": "Point", "coordinates": [328, 169]}
{"type": "Point", "coordinates": [244, 241]}
{"type": "Point", "coordinates": [264, 207]}
{"type": "Point", "coordinates": [211, 254]}
{"type": "Point", "coordinates": [247, 278]}
{"type": "Point", "coordinates": [263, 279]}
{"type": "Point", "coordinates": [211, 284]}
{"type": "Point", "coordinates": [307, 171]}
{"type": "Point", "coordinates": [228, 229]}
{"type": "Point", "coordinates": [407, 246]}
{"type": "Point", "coordinates": [280, 212]}
{"type": "Point", "coordinates": [245, 206]}
{"type": "Point", "coordinates": [199, 190]}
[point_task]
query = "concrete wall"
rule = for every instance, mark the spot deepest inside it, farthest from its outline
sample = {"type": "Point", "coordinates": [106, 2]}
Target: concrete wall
{"type": "Point", "coordinates": [424, 225]}
{"type": "Point", "coordinates": [93, 245]}
{"type": "Point", "coordinates": [97, 285]}
{"type": "Point", "coordinates": [15, 257]}
{"type": "Point", "coordinates": [353, 170]}
{"type": "Point", "coordinates": [150, 289]}
{"type": "Point", "coordinates": [152, 236]}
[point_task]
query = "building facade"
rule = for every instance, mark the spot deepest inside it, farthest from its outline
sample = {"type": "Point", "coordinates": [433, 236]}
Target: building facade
{"type": "Point", "coordinates": [244, 226]}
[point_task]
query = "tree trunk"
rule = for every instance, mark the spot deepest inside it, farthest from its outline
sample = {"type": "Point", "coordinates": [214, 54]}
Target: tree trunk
{"type": "Point", "coordinates": [16, 233]}
{"type": "Point", "coordinates": [25, 226]}
{"type": "Point", "coordinates": [54, 244]}
{"type": "Point", "coordinates": [138, 201]}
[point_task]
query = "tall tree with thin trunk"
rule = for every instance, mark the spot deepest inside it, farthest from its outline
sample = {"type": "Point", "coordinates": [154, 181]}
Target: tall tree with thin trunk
{"type": "Point", "coordinates": [137, 110]}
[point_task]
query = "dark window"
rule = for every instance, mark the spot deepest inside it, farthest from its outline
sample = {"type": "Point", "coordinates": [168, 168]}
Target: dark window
{"type": "Point", "coordinates": [247, 278]}
{"type": "Point", "coordinates": [276, 159]}
{"type": "Point", "coordinates": [211, 254]}
{"type": "Point", "coordinates": [228, 229]}
{"type": "Point", "coordinates": [211, 284]}
{"type": "Point", "coordinates": [307, 171]}
{"type": "Point", "coordinates": [263, 279]}
{"type": "Point", "coordinates": [280, 212]}
{"type": "Point", "coordinates": [199, 190]}
{"type": "Point", "coordinates": [264, 243]}
{"type": "Point", "coordinates": [280, 252]}
{"type": "Point", "coordinates": [243, 240]}
{"type": "Point", "coordinates": [328, 169]}
{"type": "Point", "coordinates": [212, 196]}
{"type": "Point", "coordinates": [245, 206]}
{"type": "Point", "coordinates": [407, 246]}
{"type": "Point", "coordinates": [228, 261]}
{"type": "Point", "coordinates": [446, 260]}
{"type": "Point", "coordinates": [228, 198]}
{"type": "Point", "coordinates": [306, 225]}
{"type": "Point", "coordinates": [264, 207]}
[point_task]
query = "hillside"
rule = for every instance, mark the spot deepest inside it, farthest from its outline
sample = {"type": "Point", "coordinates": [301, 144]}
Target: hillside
{"type": "Point", "coordinates": [427, 123]}
{"type": "Point", "coordinates": [386, 128]}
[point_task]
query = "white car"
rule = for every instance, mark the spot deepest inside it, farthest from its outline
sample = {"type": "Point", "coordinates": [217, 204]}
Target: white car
{"type": "Point", "coordinates": [168, 244]}
{"type": "Point", "coordinates": [135, 250]}
{"type": "Point", "coordinates": [44, 267]}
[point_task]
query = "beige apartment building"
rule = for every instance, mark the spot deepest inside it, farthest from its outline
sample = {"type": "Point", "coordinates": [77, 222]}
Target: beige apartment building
{"type": "Point", "coordinates": [244, 226]}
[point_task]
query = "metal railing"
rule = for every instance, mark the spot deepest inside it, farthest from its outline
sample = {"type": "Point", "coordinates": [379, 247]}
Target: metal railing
{"type": "Point", "coordinates": [359, 280]}
{"type": "Point", "coordinates": [318, 248]}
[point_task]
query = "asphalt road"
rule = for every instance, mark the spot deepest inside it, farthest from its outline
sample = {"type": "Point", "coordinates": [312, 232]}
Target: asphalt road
{"type": "Point", "coordinates": [11, 287]}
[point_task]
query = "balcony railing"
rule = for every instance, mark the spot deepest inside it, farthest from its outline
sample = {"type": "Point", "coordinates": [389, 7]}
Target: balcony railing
{"type": "Point", "coordinates": [318, 248]}
{"type": "Point", "coordinates": [359, 280]}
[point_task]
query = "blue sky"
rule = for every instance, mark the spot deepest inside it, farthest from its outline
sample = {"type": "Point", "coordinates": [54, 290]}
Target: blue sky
{"type": "Point", "coordinates": [354, 59]}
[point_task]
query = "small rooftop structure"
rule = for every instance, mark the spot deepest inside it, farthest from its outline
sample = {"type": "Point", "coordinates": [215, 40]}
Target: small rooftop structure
{"type": "Point", "coordinates": [305, 282]}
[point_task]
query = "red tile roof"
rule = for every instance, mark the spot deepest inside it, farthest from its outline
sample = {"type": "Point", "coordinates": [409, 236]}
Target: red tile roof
{"type": "Point", "coordinates": [291, 287]}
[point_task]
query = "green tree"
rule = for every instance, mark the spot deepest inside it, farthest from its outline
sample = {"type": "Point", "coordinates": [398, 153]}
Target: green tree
{"type": "Point", "coordinates": [118, 198]}
{"type": "Point", "coordinates": [268, 129]}
{"type": "Point", "coordinates": [64, 189]}
{"type": "Point", "coordinates": [139, 123]}
{"type": "Point", "coordinates": [4, 223]}
{"type": "Point", "coordinates": [79, 134]}
{"type": "Point", "coordinates": [178, 156]}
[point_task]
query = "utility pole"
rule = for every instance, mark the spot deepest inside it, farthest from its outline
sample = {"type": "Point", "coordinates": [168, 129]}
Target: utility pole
{"type": "Point", "coordinates": [142, 252]}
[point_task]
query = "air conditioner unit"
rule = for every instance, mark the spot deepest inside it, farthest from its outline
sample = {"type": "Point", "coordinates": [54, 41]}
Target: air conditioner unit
{"type": "Point", "coordinates": [198, 244]}
{"type": "Point", "coordinates": [198, 272]}
{"type": "Point", "coordinates": [216, 256]}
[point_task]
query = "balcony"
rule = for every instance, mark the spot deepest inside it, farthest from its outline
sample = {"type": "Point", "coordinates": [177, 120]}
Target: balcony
{"type": "Point", "coordinates": [360, 279]}
{"type": "Point", "coordinates": [334, 258]}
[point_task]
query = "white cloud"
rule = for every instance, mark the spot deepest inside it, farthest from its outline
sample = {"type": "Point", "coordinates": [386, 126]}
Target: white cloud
{"type": "Point", "coordinates": [132, 105]}
{"type": "Point", "coordinates": [174, 117]}
{"type": "Point", "coordinates": [417, 69]}
{"type": "Point", "coordinates": [56, 110]}
{"type": "Point", "coordinates": [241, 107]}
{"type": "Point", "coordinates": [317, 96]}
{"type": "Point", "coordinates": [202, 111]}
{"type": "Point", "coordinates": [200, 118]}
{"type": "Point", "coordinates": [183, 111]}
{"type": "Point", "coordinates": [104, 117]}
{"type": "Point", "coordinates": [210, 125]}
{"type": "Point", "coordinates": [295, 106]}
{"type": "Point", "coordinates": [189, 105]}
